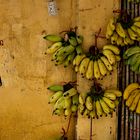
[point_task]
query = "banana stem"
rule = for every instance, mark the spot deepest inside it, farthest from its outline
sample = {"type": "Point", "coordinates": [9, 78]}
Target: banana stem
{"type": "Point", "coordinates": [91, 129]}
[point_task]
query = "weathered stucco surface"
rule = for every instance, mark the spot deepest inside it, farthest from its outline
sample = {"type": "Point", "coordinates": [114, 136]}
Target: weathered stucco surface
{"type": "Point", "coordinates": [26, 71]}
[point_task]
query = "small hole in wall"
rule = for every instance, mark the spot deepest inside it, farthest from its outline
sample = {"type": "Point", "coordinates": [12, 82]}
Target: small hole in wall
{"type": "Point", "coordinates": [0, 82]}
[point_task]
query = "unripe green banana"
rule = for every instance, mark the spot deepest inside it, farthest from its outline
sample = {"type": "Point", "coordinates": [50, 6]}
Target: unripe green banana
{"type": "Point", "coordinates": [67, 112]}
{"type": "Point", "coordinates": [56, 88]}
{"type": "Point", "coordinates": [53, 38]}
{"type": "Point", "coordinates": [59, 103]}
{"type": "Point", "coordinates": [74, 108]}
{"type": "Point", "coordinates": [79, 39]}
{"type": "Point", "coordinates": [79, 50]}
{"type": "Point", "coordinates": [75, 99]}
{"type": "Point", "coordinates": [73, 41]}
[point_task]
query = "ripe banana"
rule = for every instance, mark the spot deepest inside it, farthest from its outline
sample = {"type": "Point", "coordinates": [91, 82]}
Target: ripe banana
{"type": "Point", "coordinates": [55, 96]}
{"type": "Point", "coordinates": [110, 96]}
{"type": "Point", "coordinates": [114, 91]}
{"type": "Point", "coordinates": [104, 106]}
{"type": "Point", "coordinates": [78, 59]}
{"type": "Point", "coordinates": [96, 70]}
{"type": "Point", "coordinates": [138, 108]}
{"type": "Point", "coordinates": [131, 87]}
{"type": "Point", "coordinates": [99, 110]}
{"type": "Point", "coordinates": [110, 56]}
{"type": "Point", "coordinates": [135, 102]}
{"type": "Point", "coordinates": [53, 48]}
{"type": "Point", "coordinates": [109, 102]}
{"type": "Point", "coordinates": [113, 48]}
{"type": "Point", "coordinates": [102, 67]}
{"type": "Point", "coordinates": [106, 62]}
{"type": "Point", "coordinates": [89, 72]}
{"type": "Point", "coordinates": [120, 30]}
{"type": "Point", "coordinates": [83, 66]}
{"type": "Point", "coordinates": [68, 102]}
{"type": "Point", "coordinates": [132, 97]}
{"type": "Point", "coordinates": [89, 103]}
{"type": "Point", "coordinates": [132, 34]}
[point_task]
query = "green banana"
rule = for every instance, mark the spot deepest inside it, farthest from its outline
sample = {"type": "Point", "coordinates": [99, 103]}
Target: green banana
{"type": "Point", "coordinates": [59, 103]}
{"type": "Point", "coordinates": [53, 38]}
{"type": "Point", "coordinates": [79, 39]}
{"type": "Point", "coordinates": [73, 41]}
{"type": "Point", "coordinates": [74, 108]}
{"type": "Point", "coordinates": [69, 59]}
{"type": "Point", "coordinates": [56, 88]}
{"type": "Point", "coordinates": [129, 52]}
{"type": "Point", "coordinates": [68, 103]}
{"type": "Point", "coordinates": [79, 50]}
{"type": "Point", "coordinates": [67, 112]}
{"type": "Point", "coordinates": [75, 99]}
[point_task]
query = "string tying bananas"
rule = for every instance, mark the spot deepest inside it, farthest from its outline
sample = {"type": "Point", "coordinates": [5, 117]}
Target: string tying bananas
{"type": "Point", "coordinates": [98, 102]}
{"type": "Point", "coordinates": [132, 96]}
{"type": "Point", "coordinates": [99, 64]}
{"type": "Point", "coordinates": [132, 58]}
{"type": "Point", "coordinates": [65, 99]}
{"type": "Point", "coordinates": [123, 32]}
{"type": "Point", "coordinates": [64, 49]}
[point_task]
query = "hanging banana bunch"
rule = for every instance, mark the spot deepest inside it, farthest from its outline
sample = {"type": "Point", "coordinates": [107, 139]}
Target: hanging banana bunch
{"type": "Point", "coordinates": [97, 64]}
{"type": "Point", "coordinates": [98, 102]}
{"type": "Point", "coordinates": [64, 49]}
{"type": "Point", "coordinates": [132, 96]}
{"type": "Point", "coordinates": [65, 99]}
{"type": "Point", "coordinates": [122, 30]}
{"type": "Point", "coordinates": [132, 58]}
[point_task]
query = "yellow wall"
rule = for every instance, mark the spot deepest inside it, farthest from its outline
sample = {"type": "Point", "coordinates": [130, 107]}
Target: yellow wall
{"type": "Point", "coordinates": [26, 71]}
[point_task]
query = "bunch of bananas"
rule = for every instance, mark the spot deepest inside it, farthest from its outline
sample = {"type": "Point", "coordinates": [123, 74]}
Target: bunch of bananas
{"type": "Point", "coordinates": [65, 99]}
{"type": "Point", "coordinates": [132, 58]}
{"type": "Point", "coordinates": [132, 96]}
{"type": "Point", "coordinates": [97, 103]}
{"type": "Point", "coordinates": [99, 64]}
{"type": "Point", "coordinates": [134, 1]}
{"type": "Point", "coordinates": [64, 49]}
{"type": "Point", "coordinates": [122, 32]}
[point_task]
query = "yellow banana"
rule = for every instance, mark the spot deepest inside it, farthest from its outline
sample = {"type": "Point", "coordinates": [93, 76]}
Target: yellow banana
{"type": "Point", "coordinates": [106, 62]}
{"type": "Point", "coordinates": [96, 70]}
{"type": "Point", "coordinates": [110, 56]}
{"type": "Point", "coordinates": [99, 110]}
{"type": "Point", "coordinates": [83, 66]}
{"type": "Point", "coordinates": [77, 60]}
{"type": "Point", "coordinates": [81, 108]}
{"type": "Point", "coordinates": [135, 102]}
{"type": "Point", "coordinates": [58, 112]}
{"type": "Point", "coordinates": [86, 113]}
{"type": "Point", "coordinates": [137, 24]}
{"type": "Point", "coordinates": [129, 89]}
{"type": "Point", "coordinates": [53, 48]}
{"type": "Point", "coordinates": [70, 92]}
{"type": "Point", "coordinates": [110, 96]}
{"type": "Point", "coordinates": [118, 58]}
{"type": "Point", "coordinates": [136, 29]}
{"type": "Point", "coordinates": [119, 41]}
{"type": "Point", "coordinates": [116, 102]}
{"type": "Point", "coordinates": [136, 19]}
{"type": "Point", "coordinates": [132, 34]}
{"type": "Point", "coordinates": [114, 91]}
{"type": "Point", "coordinates": [55, 96]}
{"type": "Point", "coordinates": [102, 67]}
{"type": "Point", "coordinates": [67, 112]}
{"type": "Point", "coordinates": [120, 30]}
{"type": "Point", "coordinates": [92, 114]}
{"type": "Point", "coordinates": [109, 31]}
{"type": "Point", "coordinates": [109, 102]}
{"type": "Point", "coordinates": [114, 38]}
{"type": "Point", "coordinates": [112, 23]}
{"type": "Point", "coordinates": [76, 68]}
{"type": "Point", "coordinates": [113, 48]}
{"type": "Point", "coordinates": [104, 106]}
{"type": "Point", "coordinates": [138, 108]}
{"type": "Point", "coordinates": [131, 97]}
{"type": "Point", "coordinates": [88, 103]}
{"type": "Point", "coordinates": [59, 103]}
{"type": "Point", "coordinates": [89, 72]}
{"type": "Point", "coordinates": [68, 102]}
